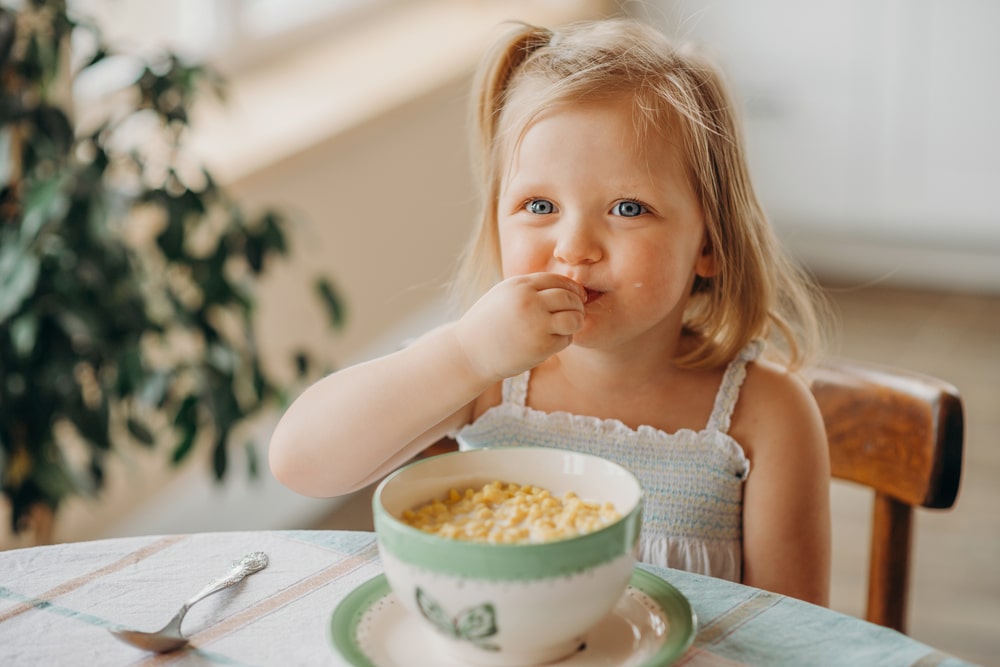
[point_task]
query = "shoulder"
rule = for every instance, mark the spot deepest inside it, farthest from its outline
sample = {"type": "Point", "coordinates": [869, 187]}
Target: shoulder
{"type": "Point", "coordinates": [776, 410]}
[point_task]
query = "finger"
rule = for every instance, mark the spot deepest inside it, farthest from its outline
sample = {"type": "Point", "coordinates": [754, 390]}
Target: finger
{"type": "Point", "coordinates": [544, 281]}
{"type": "Point", "coordinates": [558, 299]}
{"type": "Point", "coordinates": [566, 322]}
{"type": "Point", "coordinates": [559, 343]}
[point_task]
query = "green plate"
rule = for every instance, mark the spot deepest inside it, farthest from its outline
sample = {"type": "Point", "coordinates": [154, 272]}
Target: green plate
{"type": "Point", "coordinates": [370, 629]}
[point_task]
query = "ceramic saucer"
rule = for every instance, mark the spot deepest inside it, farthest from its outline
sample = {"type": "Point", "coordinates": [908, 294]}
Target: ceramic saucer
{"type": "Point", "coordinates": [651, 626]}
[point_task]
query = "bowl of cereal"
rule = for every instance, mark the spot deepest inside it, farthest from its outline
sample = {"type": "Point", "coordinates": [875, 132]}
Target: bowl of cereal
{"type": "Point", "coordinates": [508, 555]}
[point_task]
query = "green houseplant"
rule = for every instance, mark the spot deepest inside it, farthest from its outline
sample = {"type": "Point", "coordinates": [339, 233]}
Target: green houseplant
{"type": "Point", "coordinates": [126, 272]}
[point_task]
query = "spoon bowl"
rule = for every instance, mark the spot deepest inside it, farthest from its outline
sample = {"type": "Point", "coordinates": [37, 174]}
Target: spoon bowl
{"type": "Point", "coordinates": [169, 638]}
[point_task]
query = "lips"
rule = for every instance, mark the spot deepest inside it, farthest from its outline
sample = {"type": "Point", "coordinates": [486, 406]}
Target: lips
{"type": "Point", "coordinates": [593, 295]}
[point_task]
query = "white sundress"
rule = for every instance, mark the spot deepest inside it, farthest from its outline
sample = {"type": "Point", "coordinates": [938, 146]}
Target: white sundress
{"type": "Point", "coordinates": [692, 480]}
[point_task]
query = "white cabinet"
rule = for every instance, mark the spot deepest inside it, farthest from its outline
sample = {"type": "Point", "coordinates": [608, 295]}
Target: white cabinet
{"type": "Point", "coordinates": [873, 127]}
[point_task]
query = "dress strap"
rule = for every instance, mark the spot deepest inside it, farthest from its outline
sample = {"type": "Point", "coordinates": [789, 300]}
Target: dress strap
{"type": "Point", "coordinates": [515, 389]}
{"type": "Point", "coordinates": [729, 390]}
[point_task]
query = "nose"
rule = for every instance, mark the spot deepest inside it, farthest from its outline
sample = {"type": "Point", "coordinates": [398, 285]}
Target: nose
{"type": "Point", "coordinates": [577, 242]}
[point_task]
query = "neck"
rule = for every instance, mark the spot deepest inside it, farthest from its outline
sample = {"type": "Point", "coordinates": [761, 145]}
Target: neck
{"type": "Point", "coordinates": [615, 370]}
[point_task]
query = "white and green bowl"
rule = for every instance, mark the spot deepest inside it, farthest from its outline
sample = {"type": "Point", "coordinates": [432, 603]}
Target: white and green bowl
{"type": "Point", "coordinates": [509, 604]}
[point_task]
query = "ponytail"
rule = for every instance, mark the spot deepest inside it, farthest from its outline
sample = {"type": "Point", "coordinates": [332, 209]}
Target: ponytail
{"type": "Point", "coordinates": [494, 76]}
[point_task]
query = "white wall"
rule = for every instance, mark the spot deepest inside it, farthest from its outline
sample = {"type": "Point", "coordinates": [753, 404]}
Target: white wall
{"type": "Point", "coordinates": [871, 126]}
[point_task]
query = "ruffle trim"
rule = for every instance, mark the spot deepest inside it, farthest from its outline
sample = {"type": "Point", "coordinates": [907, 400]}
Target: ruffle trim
{"type": "Point", "coordinates": [613, 429]}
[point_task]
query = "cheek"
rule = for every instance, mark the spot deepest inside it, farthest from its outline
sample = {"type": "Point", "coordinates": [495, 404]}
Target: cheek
{"type": "Point", "coordinates": [656, 273]}
{"type": "Point", "coordinates": [519, 255]}
{"type": "Point", "coordinates": [649, 263]}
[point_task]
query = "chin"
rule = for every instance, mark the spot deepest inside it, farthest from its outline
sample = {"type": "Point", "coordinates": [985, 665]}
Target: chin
{"type": "Point", "coordinates": [589, 338]}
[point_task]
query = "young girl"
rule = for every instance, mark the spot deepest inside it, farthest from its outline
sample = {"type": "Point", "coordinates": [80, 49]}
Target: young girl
{"type": "Point", "coordinates": [633, 280]}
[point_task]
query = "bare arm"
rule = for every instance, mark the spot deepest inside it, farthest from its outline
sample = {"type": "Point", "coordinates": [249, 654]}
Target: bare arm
{"type": "Point", "coordinates": [786, 504]}
{"type": "Point", "coordinates": [355, 425]}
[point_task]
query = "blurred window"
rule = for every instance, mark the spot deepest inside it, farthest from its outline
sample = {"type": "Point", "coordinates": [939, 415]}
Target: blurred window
{"type": "Point", "coordinates": [231, 33]}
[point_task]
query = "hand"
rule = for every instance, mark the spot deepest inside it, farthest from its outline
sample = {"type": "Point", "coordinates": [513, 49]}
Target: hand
{"type": "Point", "coordinates": [521, 322]}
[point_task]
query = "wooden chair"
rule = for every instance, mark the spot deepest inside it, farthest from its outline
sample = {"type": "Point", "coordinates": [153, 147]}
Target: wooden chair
{"type": "Point", "coordinates": [901, 434]}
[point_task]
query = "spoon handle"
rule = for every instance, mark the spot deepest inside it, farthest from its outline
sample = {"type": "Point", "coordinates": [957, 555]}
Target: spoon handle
{"type": "Point", "coordinates": [253, 562]}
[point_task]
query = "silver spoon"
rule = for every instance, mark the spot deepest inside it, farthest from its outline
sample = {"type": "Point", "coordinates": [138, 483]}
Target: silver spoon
{"type": "Point", "coordinates": [170, 637]}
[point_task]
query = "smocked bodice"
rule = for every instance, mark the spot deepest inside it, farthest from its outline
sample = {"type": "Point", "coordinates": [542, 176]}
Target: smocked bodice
{"type": "Point", "coordinates": [692, 480]}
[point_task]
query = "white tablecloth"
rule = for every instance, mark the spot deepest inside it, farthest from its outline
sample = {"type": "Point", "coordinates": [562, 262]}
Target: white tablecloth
{"type": "Point", "coordinates": [57, 601]}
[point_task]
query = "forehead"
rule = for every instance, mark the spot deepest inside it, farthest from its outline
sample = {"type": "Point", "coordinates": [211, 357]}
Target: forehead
{"type": "Point", "coordinates": [602, 132]}
{"type": "Point", "coordinates": [530, 95]}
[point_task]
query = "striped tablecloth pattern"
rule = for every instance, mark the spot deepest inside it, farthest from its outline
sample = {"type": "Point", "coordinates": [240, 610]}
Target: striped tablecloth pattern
{"type": "Point", "coordinates": [57, 601]}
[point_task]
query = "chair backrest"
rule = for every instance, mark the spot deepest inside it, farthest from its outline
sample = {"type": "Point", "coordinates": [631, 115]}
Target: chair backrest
{"type": "Point", "coordinates": [901, 434]}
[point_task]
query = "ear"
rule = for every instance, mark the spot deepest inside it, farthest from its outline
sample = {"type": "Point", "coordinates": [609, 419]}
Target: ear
{"type": "Point", "coordinates": [704, 266]}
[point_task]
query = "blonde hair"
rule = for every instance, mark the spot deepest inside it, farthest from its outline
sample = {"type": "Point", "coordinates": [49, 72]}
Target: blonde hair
{"type": "Point", "coordinates": [757, 290]}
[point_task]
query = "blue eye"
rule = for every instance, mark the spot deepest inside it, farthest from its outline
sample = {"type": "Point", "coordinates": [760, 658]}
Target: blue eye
{"type": "Point", "coordinates": [540, 206]}
{"type": "Point", "coordinates": [628, 209]}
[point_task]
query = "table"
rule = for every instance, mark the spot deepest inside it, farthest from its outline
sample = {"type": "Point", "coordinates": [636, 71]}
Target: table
{"type": "Point", "coordinates": [56, 601]}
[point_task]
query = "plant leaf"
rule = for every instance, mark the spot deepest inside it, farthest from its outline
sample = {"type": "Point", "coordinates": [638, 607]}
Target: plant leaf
{"type": "Point", "coordinates": [186, 414]}
{"type": "Point", "coordinates": [55, 126]}
{"type": "Point", "coordinates": [273, 235]}
{"type": "Point", "coordinates": [8, 29]}
{"type": "Point", "coordinates": [334, 304]}
{"type": "Point", "coordinates": [130, 372]}
{"type": "Point", "coordinates": [96, 470]}
{"type": "Point", "coordinates": [183, 447]}
{"type": "Point", "coordinates": [171, 239]}
{"type": "Point", "coordinates": [23, 333]}
{"type": "Point", "coordinates": [18, 276]}
{"type": "Point", "coordinates": [253, 461]}
{"type": "Point", "coordinates": [43, 201]}
{"type": "Point", "coordinates": [52, 479]}
{"type": "Point", "coordinates": [140, 432]}
{"type": "Point", "coordinates": [220, 457]}
{"type": "Point", "coordinates": [301, 364]}
{"type": "Point", "coordinates": [154, 389]}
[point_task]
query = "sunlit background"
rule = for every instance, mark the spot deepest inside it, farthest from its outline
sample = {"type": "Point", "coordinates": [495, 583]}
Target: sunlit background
{"type": "Point", "coordinates": [872, 138]}
{"type": "Point", "coordinates": [870, 124]}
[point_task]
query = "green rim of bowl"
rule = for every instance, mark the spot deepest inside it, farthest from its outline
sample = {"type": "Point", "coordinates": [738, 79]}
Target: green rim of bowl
{"type": "Point", "coordinates": [505, 562]}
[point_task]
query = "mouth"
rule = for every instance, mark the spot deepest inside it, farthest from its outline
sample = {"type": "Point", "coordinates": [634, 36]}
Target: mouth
{"type": "Point", "coordinates": [593, 295]}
